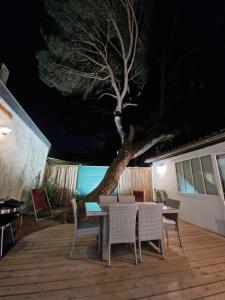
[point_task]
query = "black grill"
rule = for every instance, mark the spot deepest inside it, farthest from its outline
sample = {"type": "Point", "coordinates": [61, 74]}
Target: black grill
{"type": "Point", "coordinates": [9, 210]}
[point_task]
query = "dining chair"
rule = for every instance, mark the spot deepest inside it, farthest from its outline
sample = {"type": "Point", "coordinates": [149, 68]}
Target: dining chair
{"type": "Point", "coordinates": [150, 225]}
{"type": "Point", "coordinates": [139, 195]}
{"type": "Point", "coordinates": [171, 220]}
{"type": "Point", "coordinates": [83, 229]}
{"type": "Point", "coordinates": [122, 227]}
{"type": "Point", "coordinates": [126, 199]}
{"type": "Point", "coordinates": [107, 199]}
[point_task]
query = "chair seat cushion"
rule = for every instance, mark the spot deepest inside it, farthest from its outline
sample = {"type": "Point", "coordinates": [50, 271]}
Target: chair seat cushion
{"type": "Point", "coordinates": [169, 224]}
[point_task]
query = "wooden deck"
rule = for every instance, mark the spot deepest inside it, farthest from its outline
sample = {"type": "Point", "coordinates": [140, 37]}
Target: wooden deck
{"type": "Point", "coordinates": [38, 268]}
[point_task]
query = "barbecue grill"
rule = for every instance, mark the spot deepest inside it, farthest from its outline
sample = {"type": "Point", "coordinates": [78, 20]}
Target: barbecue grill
{"type": "Point", "coordinates": [9, 210]}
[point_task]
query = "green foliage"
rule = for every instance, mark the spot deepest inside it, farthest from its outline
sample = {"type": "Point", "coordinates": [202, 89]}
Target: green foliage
{"type": "Point", "coordinates": [51, 186]}
{"type": "Point", "coordinates": [77, 195]}
{"type": "Point", "coordinates": [77, 27]}
{"type": "Point", "coordinates": [160, 195]}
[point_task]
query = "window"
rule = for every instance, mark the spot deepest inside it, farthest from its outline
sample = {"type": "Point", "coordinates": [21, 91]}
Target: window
{"type": "Point", "coordinates": [179, 172]}
{"type": "Point", "coordinates": [196, 176]}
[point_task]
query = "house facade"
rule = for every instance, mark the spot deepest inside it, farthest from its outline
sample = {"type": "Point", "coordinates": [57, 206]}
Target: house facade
{"type": "Point", "coordinates": [195, 175]}
{"type": "Point", "coordinates": [23, 151]}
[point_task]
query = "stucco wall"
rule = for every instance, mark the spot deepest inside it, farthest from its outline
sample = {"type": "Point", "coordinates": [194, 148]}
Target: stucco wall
{"type": "Point", "coordinates": [23, 152]}
{"type": "Point", "coordinates": [206, 211]}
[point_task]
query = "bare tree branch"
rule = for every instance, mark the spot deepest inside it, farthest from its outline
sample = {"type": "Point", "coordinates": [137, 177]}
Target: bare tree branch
{"type": "Point", "coordinates": [152, 143]}
{"type": "Point", "coordinates": [107, 94]}
{"type": "Point", "coordinates": [129, 104]}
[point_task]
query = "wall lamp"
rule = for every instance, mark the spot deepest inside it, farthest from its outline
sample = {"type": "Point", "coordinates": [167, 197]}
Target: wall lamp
{"type": "Point", "coordinates": [5, 130]}
{"type": "Point", "coordinates": [161, 169]}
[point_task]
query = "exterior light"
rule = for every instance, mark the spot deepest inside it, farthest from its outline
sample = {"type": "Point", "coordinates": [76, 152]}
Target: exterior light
{"type": "Point", "coordinates": [161, 169]}
{"type": "Point", "coordinates": [5, 130]}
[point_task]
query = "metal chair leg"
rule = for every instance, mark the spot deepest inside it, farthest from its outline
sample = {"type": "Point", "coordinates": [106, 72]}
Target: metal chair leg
{"type": "Point", "coordinates": [139, 246]}
{"type": "Point", "coordinates": [135, 253]}
{"type": "Point", "coordinates": [162, 247]}
{"type": "Point", "coordinates": [73, 244]}
{"type": "Point", "coordinates": [178, 234]}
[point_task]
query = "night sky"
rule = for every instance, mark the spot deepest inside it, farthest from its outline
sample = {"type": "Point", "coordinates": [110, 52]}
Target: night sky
{"type": "Point", "coordinates": [196, 93]}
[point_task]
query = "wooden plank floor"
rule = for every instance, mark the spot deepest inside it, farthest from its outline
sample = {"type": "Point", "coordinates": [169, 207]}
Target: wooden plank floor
{"type": "Point", "coordinates": [39, 267]}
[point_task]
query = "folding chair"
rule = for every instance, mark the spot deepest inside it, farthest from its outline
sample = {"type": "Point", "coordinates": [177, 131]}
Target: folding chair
{"type": "Point", "coordinates": [41, 203]}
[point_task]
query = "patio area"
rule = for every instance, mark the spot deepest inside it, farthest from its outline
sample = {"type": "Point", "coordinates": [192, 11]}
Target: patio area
{"type": "Point", "coordinates": [39, 267]}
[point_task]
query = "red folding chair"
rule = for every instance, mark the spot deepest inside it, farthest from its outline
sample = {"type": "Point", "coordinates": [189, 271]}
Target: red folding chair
{"type": "Point", "coordinates": [41, 204]}
{"type": "Point", "coordinates": [139, 196]}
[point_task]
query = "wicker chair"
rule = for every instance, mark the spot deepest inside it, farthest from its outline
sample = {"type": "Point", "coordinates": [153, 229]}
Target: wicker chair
{"type": "Point", "coordinates": [126, 199]}
{"type": "Point", "coordinates": [171, 220]}
{"type": "Point", "coordinates": [150, 225]}
{"type": "Point", "coordinates": [83, 229]}
{"type": "Point", "coordinates": [107, 199]}
{"type": "Point", "coordinates": [122, 226]}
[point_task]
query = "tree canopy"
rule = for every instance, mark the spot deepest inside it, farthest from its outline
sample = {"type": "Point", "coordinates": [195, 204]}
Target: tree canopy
{"type": "Point", "coordinates": [89, 43]}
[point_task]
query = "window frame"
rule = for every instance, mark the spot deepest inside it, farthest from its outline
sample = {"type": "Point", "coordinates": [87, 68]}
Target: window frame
{"type": "Point", "coordinates": [179, 186]}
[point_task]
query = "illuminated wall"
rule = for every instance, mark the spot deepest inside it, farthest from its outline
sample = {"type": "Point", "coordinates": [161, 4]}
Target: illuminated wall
{"type": "Point", "coordinates": [23, 152]}
{"type": "Point", "coordinates": [206, 210]}
{"type": "Point", "coordinates": [89, 177]}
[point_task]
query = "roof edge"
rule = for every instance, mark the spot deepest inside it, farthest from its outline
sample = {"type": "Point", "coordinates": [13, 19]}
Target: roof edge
{"type": "Point", "coordinates": [210, 140]}
{"type": "Point", "coordinates": [8, 97]}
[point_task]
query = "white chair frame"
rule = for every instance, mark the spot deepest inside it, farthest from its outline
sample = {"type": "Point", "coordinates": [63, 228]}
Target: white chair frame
{"type": "Point", "coordinates": [80, 232]}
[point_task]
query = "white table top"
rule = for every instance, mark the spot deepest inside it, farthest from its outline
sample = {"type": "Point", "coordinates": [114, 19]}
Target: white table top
{"type": "Point", "coordinates": [94, 209]}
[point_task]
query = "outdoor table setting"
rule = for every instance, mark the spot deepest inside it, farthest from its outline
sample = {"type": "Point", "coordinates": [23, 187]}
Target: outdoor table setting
{"type": "Point", "coordinates": [101, 211]}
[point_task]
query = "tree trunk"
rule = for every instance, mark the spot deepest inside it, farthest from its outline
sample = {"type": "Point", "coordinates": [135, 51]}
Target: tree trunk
{"type": "Point", "coordinates": [127, 152]}
{"type": "Point", "coordinates": [111, 178]}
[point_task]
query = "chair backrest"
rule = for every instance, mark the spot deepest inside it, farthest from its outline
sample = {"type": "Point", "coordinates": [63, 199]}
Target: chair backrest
{"type": "Point", "coordinates": [122, 223]}
{"type": "Point", "coordinates": [107, 199]}
{"type": "Point", "coordinates": [172, 203]}
{"type": "Point", "coordinates": [126, 199]}
{"type": "Point", "coordinates": [150, 221]}
{"type": "Point", "coordinates": [175, 204]}
{"type": "Point", "coordinates": [41, 204]}
{"type": "Point", "coordinates": [74, 206]}
{"type": "Point", "coordinates": [139, 196]}
{"type": "Point", "coordinates": [39, 198]}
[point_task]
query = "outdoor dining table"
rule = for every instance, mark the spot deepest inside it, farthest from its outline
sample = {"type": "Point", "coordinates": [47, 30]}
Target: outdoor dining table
{"type": "Point", "coordinates": [94, 209]}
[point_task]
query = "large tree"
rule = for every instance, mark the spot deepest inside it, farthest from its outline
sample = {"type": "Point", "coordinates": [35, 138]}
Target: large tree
{"type": "Point", "coordinates": [96, 48]}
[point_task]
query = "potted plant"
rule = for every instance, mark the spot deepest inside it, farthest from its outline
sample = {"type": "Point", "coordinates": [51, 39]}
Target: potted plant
{"type": "Point", "coordinates": [77, 195]}
{"type": "Point", "coordinates": [160, 195]}
{"type": "Point", "coordinates": [52, 187]}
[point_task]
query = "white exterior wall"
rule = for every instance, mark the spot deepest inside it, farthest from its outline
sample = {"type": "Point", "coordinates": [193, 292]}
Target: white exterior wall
{"type": "Point", "coordinates": [206, 211]}
{"type": "Point", "coordinates": [23, 154]}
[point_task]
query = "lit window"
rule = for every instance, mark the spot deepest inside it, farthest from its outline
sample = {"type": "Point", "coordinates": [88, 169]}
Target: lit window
{"type": "Point", "coordinates": [196, 176]}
